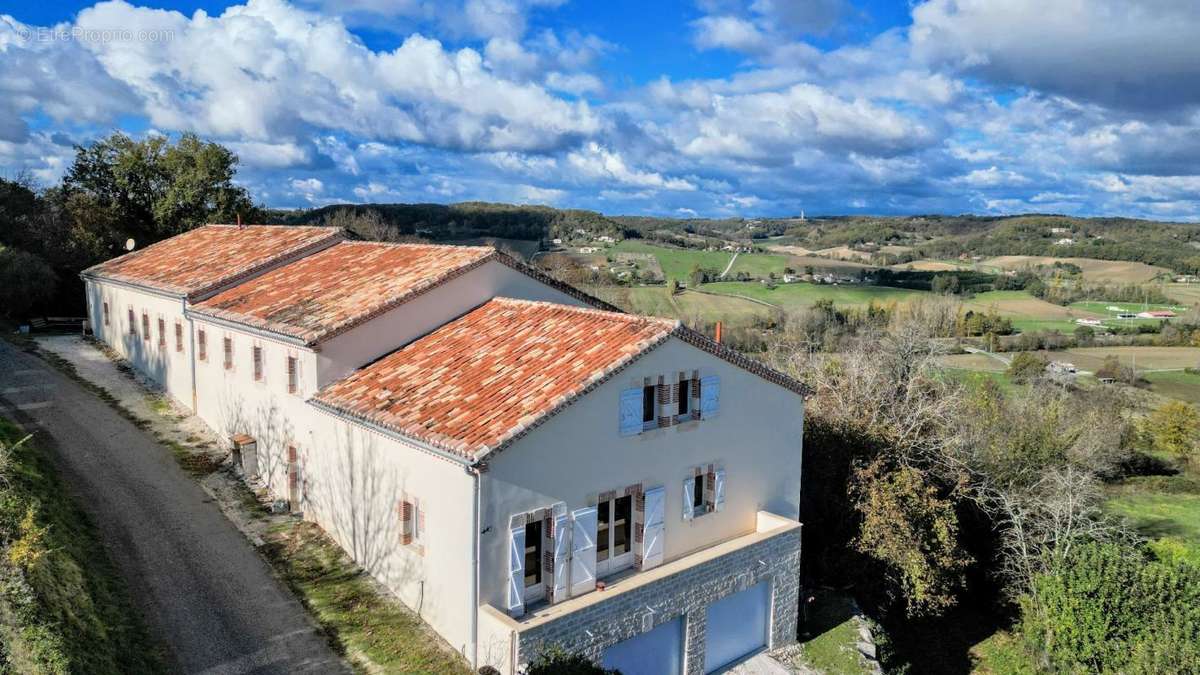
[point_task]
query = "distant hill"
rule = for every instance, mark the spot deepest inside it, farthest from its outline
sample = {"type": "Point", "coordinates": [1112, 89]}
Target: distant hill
{"type": "Point", "coordinates": [467, 220]}
{"type": "Point", "coordinates": [885, 240]}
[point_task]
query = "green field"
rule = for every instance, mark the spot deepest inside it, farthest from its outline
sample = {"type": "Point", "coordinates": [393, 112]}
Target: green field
{"type": "Point", "coordinates": [796, 296]}
{"type": "Point", "coordinates": [1176, 384]}
{"type": "Point", "coordinates": [677, 263]}
{"type": "Point", "coordinates": [689, 305]}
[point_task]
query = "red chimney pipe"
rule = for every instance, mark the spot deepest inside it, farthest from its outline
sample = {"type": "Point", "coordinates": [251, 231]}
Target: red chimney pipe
{"type": "Point", "coordinates": [718, 337]}
{"type": "Point", "coordinates": [239, 220]}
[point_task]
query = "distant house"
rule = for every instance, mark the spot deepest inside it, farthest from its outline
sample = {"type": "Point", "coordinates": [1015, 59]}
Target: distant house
{"type": "Point", "coordinates": [556, 241]}
{"type": "Point", "coordinates": [1061, 367]}
{"type": "Point", "coordinates": [1088, 322]}
{"type": "Point", "coordinates": [607, 239]}
{"type": "Point", "coordinates": [589, 249]}
{"type": "Point", "coordinates": [1187, 279]}
{"type": "Point", "coordinates": [1059, 230]}
{"type": "Point", "coordinates": [1065, 241]}
{"type": "Point", "coordinates": [1157, 314]}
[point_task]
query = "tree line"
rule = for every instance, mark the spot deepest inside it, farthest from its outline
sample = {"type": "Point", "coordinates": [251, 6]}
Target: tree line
{"type": "Point", "coordinates": [116, 189]}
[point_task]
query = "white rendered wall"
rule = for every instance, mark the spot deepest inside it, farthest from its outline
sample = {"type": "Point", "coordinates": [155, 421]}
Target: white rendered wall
{"type": "Point", "coordinates": [342, 354]}
{"type": "Point", "coordinates": [166, 366]}
{"type": "Point", "coordinates": [356, 479]}
{"type": "Point", "coordinates": [579, 453]}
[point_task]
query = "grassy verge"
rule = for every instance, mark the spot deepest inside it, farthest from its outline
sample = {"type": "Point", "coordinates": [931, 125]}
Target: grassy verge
{"type": "Point", "coordinates": [360, 620]}
{"type": "Point", "coordinates": [830, 636]}
{"type": "Point", "coordinates": [63, 607]}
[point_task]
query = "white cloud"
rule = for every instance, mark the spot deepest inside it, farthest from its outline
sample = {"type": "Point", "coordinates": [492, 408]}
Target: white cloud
{"type": "Point", "coordinates": [530, 194]}
{"type": "Point", "coordinates": [1135, 55]}
{"type": "Point", "coordinates": [992, 177]}
{"type": "Point", "coordinates": [728, 32]}
{"type": "Point", "coordinates": [596, 162]}
{"type": "Point", "coordinates": [266, 69]}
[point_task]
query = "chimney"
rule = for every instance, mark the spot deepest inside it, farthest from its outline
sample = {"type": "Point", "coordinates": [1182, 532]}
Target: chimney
{"type": "Point", "coordinates": [718, 336]}
{"type": "Point", "coordinates": [239, 220]}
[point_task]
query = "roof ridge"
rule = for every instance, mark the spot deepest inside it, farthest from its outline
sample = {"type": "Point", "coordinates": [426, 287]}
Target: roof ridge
{"type": "Point", "coordinates": [628, 317]}
{"type": "Point", "coordinates": [414, 244]}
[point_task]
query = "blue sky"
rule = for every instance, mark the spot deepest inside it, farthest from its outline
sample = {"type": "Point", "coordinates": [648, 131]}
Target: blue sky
{"type": "Point", "coordinates": [700, 107]}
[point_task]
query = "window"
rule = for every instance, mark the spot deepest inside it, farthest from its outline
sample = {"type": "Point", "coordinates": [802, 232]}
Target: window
{"type": "Point", "coordinates": [292, 375]}
{"type": "Point", "coordinates": [295, 494]}
{"type": "Point", "coordinates": [162, 332]}
{"type": "Point", "coordinates": [533, 553]}
{"type": "Point", "coordinates": [258, 363]}
{"type": "Point", "coordinates": [412, 522]}
{"type": "Point", "coordinates": [145, 326]}
{"type": "Point", "coordinates": [228, 353]}
{"type": "Point", "coordinates": [648, 403]}
{"type": "Point", "coordinates": [663, 402]}
{"type": "Point", "coordinates": [178, 336]}
{"type": "Point", "coordinates": [703, 492]}
{"type": "Point", "coordinates": [132, 323]}
{"type": "Point", "coordinates": [106, 314]}
{"type": "Point", "coordinates": [201, 345]}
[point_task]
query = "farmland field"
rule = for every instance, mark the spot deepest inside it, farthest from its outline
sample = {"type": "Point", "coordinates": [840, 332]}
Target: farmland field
{"type": "Point", "coordinates": [796, 296]}
{"type": "Point", "coordinates": [1091, 358]}
{"type": "Point", "coordinates": [1176, 384]}
{"type": "Point", "coordinates": [677, 263]}
{"type": "Point", "coordinates": [933, 266]}
{"type": "Point", "coordinates": [1111, 271]}
{"type": "Point", "coordinates": [1188, 294]}
{"type": "Point", "coordinates": [657, 301]}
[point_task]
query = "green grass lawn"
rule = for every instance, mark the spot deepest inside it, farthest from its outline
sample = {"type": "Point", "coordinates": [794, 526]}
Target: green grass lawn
{"type": "Point", "coordinates": [795, 296]}
{"type": "Point", "coordinates": [829, 635]}
{"type": "Point", "coordinates": [1160, 506]}
{"type": "Point", "coordinates": [677, 263]}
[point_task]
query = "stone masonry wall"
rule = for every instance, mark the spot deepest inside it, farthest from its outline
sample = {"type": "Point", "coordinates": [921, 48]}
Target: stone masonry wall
{"type": "Point", "coordinates": [686, 593]}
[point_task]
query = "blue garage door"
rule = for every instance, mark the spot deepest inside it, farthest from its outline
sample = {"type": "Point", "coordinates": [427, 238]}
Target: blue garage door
{"type": "Point", "coordinates": [737, 626]}
{"type": "Point", "coordinates": [658, 652]}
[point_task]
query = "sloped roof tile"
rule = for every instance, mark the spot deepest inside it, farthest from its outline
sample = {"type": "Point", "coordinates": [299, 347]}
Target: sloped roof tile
{"type": "Point", "coordinates": [479, 381]}
{"type": "Point", "coordinates": [209, 257]}
{"type": "Point", "coordinates": [327, 292]}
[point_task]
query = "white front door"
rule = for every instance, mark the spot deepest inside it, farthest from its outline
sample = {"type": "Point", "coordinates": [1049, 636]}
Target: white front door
{"type": "Point", "coordinates": [614, 535]}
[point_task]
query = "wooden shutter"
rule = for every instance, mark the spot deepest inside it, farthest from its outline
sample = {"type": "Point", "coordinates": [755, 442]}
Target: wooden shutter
{"type": "Point", "coordinates": [562, 556]}
{"type": "Point", "coordinates": [710, 396]}
{"type": "Point", "coordinates": [202, 344]}
{"type": "Point", "coordinates": [516, 570]}
{"type": "Point", "coordinates": [689, 496]}
{"type": "Point", "coordinates": [406, 522]}
{"type": "Point", "coordinates": [631, 412]}
{"type": "Point", "coordinates": [178, 336]}
{"type": "Point", "coordinates": [291, 373]}
{"type": "Point", "coordinates": [583, 551]}
{"type": "Point", "coordinates": [719, 489]}
{"type": "Point", "coordinates": [653, 527]}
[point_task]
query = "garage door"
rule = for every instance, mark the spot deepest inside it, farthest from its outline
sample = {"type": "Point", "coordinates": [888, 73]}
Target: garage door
{"type": "Point", "coordinates": [737, 626]}
{"type": "Point", "coordinates": [658, 652]}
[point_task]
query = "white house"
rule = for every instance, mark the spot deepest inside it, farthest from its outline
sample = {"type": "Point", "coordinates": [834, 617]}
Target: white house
{"type": "Point", "coordinates": [136, 303]}
{"type": "Point", "coordinates": [520, 464]}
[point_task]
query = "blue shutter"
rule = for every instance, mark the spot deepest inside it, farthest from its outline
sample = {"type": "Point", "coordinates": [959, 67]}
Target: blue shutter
{"type": "Point", "coordinates": [631, 412]}
{"type": "Point", "coordinates": [710, 396]}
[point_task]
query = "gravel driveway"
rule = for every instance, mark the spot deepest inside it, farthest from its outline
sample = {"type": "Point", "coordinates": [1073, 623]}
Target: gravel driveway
{"type": "Point", "coordinates": [201, 586]}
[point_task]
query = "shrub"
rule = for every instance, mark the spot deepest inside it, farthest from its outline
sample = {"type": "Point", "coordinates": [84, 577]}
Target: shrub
{"type": "Point", "coordinates": [1107, 608]}
{"type": "Point", "coordinates": [1026, 367]}
{"type": "Point", "coordinates": [555, 661]}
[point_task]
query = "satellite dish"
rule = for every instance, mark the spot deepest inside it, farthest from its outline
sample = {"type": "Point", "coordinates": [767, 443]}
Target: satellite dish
{"type": "Point", "coordinates": [129, 244]}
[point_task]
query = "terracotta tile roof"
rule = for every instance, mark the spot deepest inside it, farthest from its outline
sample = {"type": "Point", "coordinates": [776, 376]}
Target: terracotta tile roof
{"type": "Point", "coordinates": [485, 378]}
{"type": "Point", "coordinates": [206, 258]}
{"type": "Point", "coordinates": [327, 292]}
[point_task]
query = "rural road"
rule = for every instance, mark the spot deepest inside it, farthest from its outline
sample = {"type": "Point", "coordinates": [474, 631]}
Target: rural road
{"type": "Point", "coordinates": [203, 589]}
{"type": "Point", "coordinates": [730, 265]}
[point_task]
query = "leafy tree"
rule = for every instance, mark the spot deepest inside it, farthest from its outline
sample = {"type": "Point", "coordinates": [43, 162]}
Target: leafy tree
{"type": "Point", "coordinates": [1107, 609]}
{"type": "Point", "coordinates": [1084, 335]}
{"type": "Point", "coordinates": [1026, 367]}
{"type": "Point", "coordinates": [153, 189]}
{"type": "Point", "coordinates": [1175, 429]}
{"type": "Point", "coordinates": [26, 281]}
{"type": "Point", "coordinates": [914, 531]}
